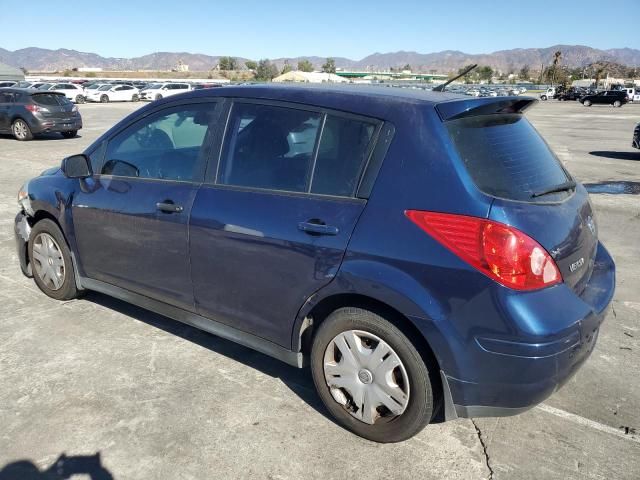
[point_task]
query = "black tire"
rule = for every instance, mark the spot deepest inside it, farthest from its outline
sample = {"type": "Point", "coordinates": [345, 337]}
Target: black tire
{"type": "Point", "coordinates": [617, 104]}
{"type": "Point", "coordinates": [158, 97]}
{"type": "Point", "coordinates": [543, 97]}
{"type": "Point", "coordinates": [420, 407]}
{"type": "Point", "coordinates": [70, 134]}
{"type": "Point", "coordinates": [68, 289]}
{"type": "Point", "coordinates": [104, 99]}
{"type": "Point", "coordinates": [587, 103]}
{"type": "Point", "coordinates": [21, 130]}
{"type": "Point", "coordinates": [80, 99]}
{"type": "Point", "coordinates": [135, 98]}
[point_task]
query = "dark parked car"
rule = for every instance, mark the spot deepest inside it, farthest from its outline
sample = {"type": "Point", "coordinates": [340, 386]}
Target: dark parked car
{"type": "Point", "coordinates": [419, 250]}
{"type": "Point", "coordinates": [635, 143]}
{"type": "Point", "coordinates": [26, 112]}
{"type": "Point", "coordinates": [572, 94]}
{"type": "Point", "coordinates": [617, 98]}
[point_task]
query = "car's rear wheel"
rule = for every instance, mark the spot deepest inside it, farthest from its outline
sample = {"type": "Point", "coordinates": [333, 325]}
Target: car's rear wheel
{"type": "Point", "coordinates": [135, 98]}
{"type": "Point", "coordinates": [158, 97]}
{"type": "Point", "coordinates": [617, 103]}
{"type": "Point", "coordinates": [80, 99]}
{"type": "Point", "coordinates": [51, 261]}
{"type": "Point", "coordinates": [70, 134]}
{"type": "Point", "coordinates": [21, 130]}
{"type": "Point", "coordinates": [587, 103]}
{"type": "Point", "coordinates": [370, 376]}
{"type": "Point", "coordinates": [104, 99]}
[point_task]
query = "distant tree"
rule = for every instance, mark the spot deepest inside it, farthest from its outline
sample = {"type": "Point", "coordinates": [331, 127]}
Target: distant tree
{"type": "Point", "coordinates": [329, 66]}
{"type": "Point", "coordinates": [266, 70]}
{"type": "Point", "coordinates": [407, 67]}
{"type": "Point", "coordinates": [286, 68]}
{"type": "Point", "coordinates": [556, 65]}
{"type": "Point", "coordinates": [91, 74]}
{"type": "Point", "coordinates": [67, 73]}
{"type": "Point", "coordinates": [228, 63]}
{"type": "Point", "coordinates": [251, 65]}
{"type": "Point", "coordinates": [524, 73]}
{"type": "Point", "coordinates": [305, 66]}
{"type": "Point", "coordinates": [24, 71]}
{"type": "Point", "coordinates": [485, 73]}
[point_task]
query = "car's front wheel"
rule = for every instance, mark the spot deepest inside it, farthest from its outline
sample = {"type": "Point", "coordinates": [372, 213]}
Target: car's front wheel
{"type": "Point", "coordinates": [51, 261]}
{"type": "Point", "coordinates": [587, 103]}
{"type": "Point", "coordinates": [104, 99]}
{"type": "Point", "coordinates": [370, 376]}
{"type": "Point", "coordinates": [135, 98]}
{"type": "Point", "coordinates": [158, 97]}
{"type": "Point", "coordinates": [80, 99]}
{"type": "Point", "coordinates": [543, 97]}
{"type": "Point", "coordinates": [617, 103]}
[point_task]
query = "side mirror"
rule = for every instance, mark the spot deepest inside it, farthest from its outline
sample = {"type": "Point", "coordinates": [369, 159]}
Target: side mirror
{"type": "Point", "coordinates": [76, 166]}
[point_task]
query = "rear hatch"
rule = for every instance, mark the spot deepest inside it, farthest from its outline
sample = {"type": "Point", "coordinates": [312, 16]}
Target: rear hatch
{"type": "Point", "coordinates": [508, 160]}
{"type": "Point", "coordinates": [54, 106]}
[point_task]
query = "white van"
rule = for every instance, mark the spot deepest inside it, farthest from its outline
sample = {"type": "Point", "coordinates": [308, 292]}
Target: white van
{"type": "Point", "coordinates": [551, 91]}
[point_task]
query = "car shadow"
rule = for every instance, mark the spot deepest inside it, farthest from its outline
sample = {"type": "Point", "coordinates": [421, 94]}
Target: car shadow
{"type": "Point", "coordinates": [617, 155]}
{"type": "Point", "coordinates": [63, 468]}
{"type": "Point", "coordinates": [40, 137]}
{"type": "Point", "coordinates": [299, 381]}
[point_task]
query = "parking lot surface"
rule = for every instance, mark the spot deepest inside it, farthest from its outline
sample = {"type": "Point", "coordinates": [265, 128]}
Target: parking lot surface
{"type": "Point", "coordinates": [154, 398]}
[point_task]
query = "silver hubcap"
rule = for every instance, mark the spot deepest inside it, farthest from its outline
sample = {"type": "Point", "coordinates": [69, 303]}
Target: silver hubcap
{"type": "Point", "coordinates": [48, 261]}
{"type": "Point", "coordinates": [366, 376]}
{"type": "Point", "coordinates": [20, 129]}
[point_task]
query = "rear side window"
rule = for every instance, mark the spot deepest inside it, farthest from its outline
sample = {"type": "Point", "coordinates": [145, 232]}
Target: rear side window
{"type": "Point", "coordinates": [505, 155]}
{"type": "Point", "coordinates": [280, 148]}
{"type": "Point", "coordinates": [269, 147]}
{"type": "Point", "coordinates": [342, 155]}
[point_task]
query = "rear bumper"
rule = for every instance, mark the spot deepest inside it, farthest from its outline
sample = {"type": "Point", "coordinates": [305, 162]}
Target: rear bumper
{"type": "Point", "coordinates": [510, 377]}
{"type": "Point", "coordinates": [46, 125]}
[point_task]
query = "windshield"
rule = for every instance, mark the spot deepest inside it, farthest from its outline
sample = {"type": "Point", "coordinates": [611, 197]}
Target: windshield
{"type": "Point", "coordinates": [153, 86]}
{"type": "Point", "coordinates": [105, 87]}
{"type": "Point", "coordinates": [506, 156]}
{"type": "Point", "coordinates": [45, 86]}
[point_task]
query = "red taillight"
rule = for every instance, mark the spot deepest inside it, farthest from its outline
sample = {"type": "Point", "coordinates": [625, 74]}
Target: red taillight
{"type": "Point", "coordinates": [501, 252]}
{"type": "Point", "coordinates": [32, 108]}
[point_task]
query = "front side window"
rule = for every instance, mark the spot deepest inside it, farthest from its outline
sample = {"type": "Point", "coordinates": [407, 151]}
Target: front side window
{"type": "Point", "coordinates": [269, 147]}
{"type": "Point", "coordinates": [164, 146]}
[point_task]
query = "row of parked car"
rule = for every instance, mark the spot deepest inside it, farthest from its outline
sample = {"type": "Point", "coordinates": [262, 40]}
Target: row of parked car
{"type": "Point", "coordinates": [105, 92]}
{"type": "Point", "coordinates": [588, 96]}
{"type": "Point", "coordinates": [483, 91]}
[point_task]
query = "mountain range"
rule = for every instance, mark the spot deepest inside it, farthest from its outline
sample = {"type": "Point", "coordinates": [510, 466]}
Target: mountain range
{"type": "Point", "coordinates": [42, 59]}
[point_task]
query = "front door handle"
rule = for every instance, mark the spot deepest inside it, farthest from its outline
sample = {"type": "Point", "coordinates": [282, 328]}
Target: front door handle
{"type": "Point", "coordinates": [317, 227]}
{"type": "Point", "coordinates": [168, 207]}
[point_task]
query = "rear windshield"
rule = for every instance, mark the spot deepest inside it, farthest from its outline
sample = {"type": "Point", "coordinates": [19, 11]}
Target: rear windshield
{"type": "Point", "coordinates": [506, 156]}
{"type": "Point", "coordinates": [50, 99]}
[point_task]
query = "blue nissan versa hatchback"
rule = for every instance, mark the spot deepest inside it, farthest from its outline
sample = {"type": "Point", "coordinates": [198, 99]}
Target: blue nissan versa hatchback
{"type": "Point", "coordinates": [419, 250]}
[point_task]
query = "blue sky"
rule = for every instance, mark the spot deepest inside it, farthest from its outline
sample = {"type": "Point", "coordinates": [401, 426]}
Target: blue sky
{"type": "Point", "coordinates": [279, 28]}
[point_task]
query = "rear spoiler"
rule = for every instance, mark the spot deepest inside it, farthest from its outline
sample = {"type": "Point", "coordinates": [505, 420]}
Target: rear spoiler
{"type": "Point", "coordinates": [472, 107]}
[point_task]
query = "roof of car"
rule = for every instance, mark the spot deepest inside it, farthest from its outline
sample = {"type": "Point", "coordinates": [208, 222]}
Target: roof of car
{"type": "Point", "coordinates": [320, 91]}
{"type": "Point", "coordinates": [29, 91]}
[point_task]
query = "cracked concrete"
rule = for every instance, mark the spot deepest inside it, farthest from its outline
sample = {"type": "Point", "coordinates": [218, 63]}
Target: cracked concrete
{"type": "Point", "coordinates": [158, 399]}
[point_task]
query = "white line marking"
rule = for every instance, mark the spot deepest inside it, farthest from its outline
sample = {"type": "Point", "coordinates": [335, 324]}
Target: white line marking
{"type": "Point", "coordinates": [587, 423]}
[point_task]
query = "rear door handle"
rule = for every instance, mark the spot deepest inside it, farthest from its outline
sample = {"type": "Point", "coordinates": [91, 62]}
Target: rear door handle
{"type": "Point", "coordinates": [168, 207]}
{"type": "Point", "coordinates": [317, 227]}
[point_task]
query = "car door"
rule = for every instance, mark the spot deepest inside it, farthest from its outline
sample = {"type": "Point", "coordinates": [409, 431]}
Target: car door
{"type": "Point", "coordinates": [131, 217]}
{"type": "Point", "coordinates": [6, 103]}
{"type": "Point", "coordinates": [271, 225]}
{"type": "Point", "coordinates": [118, 94]}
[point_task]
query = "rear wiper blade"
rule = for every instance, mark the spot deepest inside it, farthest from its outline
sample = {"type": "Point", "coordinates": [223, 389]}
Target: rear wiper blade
{"type": "Point", "coordinates": [563, 187]}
